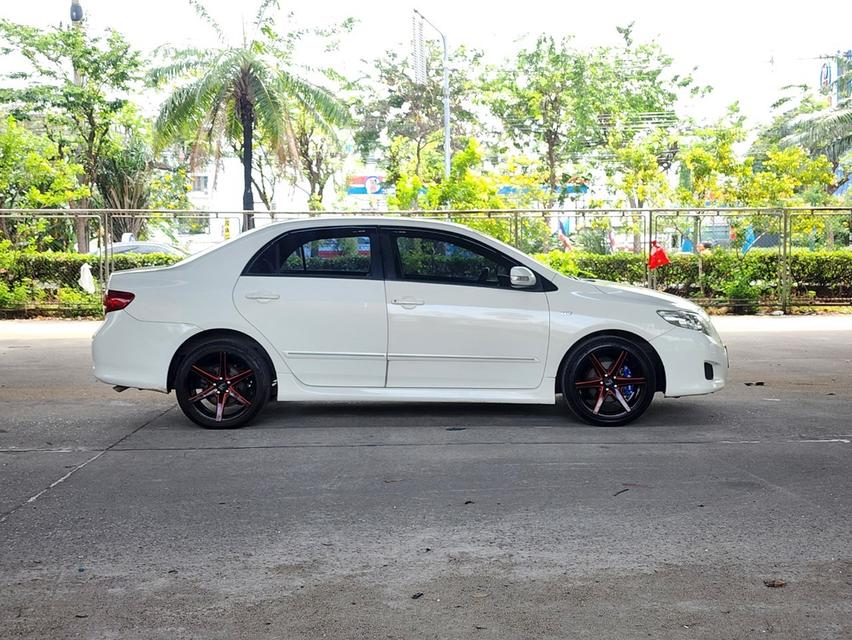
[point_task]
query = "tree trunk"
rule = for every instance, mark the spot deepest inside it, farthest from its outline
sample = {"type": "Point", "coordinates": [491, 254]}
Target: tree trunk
{"type": "Point", "coordinates": [551, 173]}
{"type": "Point", "coordinates": [635, 222]}
{"type": "Point", "coordinates": [248, 196]}
{"type": "Point", "coordinates": [81, 230]}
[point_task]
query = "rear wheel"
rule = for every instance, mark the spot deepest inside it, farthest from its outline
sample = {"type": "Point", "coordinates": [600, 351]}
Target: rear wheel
{"type": "Point", "coordinates": [608, 381]}
{"type": "Point", "coordinates": [222, 384]}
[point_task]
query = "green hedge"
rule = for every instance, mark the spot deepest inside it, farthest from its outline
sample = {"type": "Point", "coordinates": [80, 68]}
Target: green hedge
{"type": "Point", "coordinates": [46, 283]}
{"type": "Point", "coordinates": [63, 269]}
{"type": "Point", "coordinates": [825, 274]}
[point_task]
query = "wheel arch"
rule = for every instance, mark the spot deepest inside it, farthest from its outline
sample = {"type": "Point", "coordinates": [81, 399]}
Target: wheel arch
{"type": "Point", "coordinates": [642, 343]}
{"type": "Point", "coordinates": [214, 334]}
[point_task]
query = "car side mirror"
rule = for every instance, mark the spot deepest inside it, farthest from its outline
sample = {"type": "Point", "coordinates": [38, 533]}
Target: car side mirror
{"type": "Point", "coordinates": [521, 278]}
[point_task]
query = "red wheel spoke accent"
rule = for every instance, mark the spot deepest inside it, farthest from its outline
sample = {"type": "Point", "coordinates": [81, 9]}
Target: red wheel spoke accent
{"type": "Point", "coordinates": [220, 406]}
{"type": "Point", "coordinates": [616, 365]}
{"type": "Point", "coordinates": [223, 364]}
{"type": "Point", "coordinates": [623, 380]}
{"type": "Point", "coordinates": [601, 395]}
{"type": "Point", "coordinates": [203, 394]}
{"type": "Point", "coordinates": [242, 375]}
{"type": "Point", "coordinates": [205, 374]}
{"type": "Point", "coordinates": [588, 384]}
{"type": "Point", "coordinates": [599, 368]}
{"type": "Point", "coordinates": [239, 397]}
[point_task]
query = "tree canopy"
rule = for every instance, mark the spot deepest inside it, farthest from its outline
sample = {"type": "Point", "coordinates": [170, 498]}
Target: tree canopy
{"type": "Point", "coordinates": [225, 94]}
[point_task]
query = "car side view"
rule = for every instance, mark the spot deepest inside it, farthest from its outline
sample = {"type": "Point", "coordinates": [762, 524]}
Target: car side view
{"type": "Point", "coordinates": [398, 310]}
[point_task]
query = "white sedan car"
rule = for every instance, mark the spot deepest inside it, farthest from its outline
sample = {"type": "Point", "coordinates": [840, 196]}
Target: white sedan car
{"type": "Point", "coordinates": [395, 310]}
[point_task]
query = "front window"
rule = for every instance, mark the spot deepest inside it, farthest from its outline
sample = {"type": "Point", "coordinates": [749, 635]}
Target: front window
{"type": "Point", "coordinates": [437, 258]}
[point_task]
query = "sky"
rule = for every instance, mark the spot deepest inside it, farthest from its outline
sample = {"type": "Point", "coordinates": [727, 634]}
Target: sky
{"type": "Point", "coordinates": [745, 49]}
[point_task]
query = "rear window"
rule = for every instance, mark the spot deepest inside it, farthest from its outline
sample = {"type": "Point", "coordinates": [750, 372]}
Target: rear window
{"type": "Point", "coordinates": [329, 252]}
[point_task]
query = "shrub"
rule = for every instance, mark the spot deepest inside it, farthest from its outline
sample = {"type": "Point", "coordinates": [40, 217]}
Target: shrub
{"type": "Point", "coordinates": [47, 281]}
{"type": "Point", "coordinates": [63, 269]}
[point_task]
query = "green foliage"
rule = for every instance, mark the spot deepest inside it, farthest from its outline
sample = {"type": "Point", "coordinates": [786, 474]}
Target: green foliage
{"type": "Point", "coordinates": [32, 172]}
{"type": "Point", "coordinates": [169, 189]}
{"type": "Point", "coordinates": [786, 177]}
{"type": "Point", "coordinates": [46, 283]}
{"type": "Point", "coordinates": [319, 156]}
{"type": "Point", "coordinates": [33, 175]}
{"type": "Point", "coordinates": [564, 103]}
{"type": "Point", "coordinates": [565, 262]}
{"type": "Point", "coordinates": [813, 124]}
{"type": "Point", "coordinates": [19, 294]}
{"type": "Point", "coordinates": [73, 89]}
{"type": "Point", "coordinates": [393, 110]}
{"type": "Point", "coordinates": [466, 188]}
{"type": "Point", "coordinates": [638, 168]}
{"type": "Point", "coordinates": [713, 174]}
{"type": "Point", "coordinates": [63, 269]}
{"type": "Point", "coordinates": [79, 301]}
{"type": "Point", "coordinates": [742, 292]}
{"type": "Point", "coordinates": [710, 167]}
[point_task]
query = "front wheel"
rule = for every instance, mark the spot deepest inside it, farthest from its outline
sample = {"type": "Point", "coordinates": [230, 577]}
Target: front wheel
{"type": "Point", "coordinates": [608, 381]}
{"type": "Point", "coordinates": [222, 384]}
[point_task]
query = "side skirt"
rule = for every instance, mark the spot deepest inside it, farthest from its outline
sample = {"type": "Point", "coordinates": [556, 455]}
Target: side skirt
{"type": "Point", "coordinates": [289, 389]}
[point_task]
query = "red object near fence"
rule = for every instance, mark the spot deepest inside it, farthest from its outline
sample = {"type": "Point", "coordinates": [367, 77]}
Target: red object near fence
{"type": "Point", "coordinates": [658, 257]}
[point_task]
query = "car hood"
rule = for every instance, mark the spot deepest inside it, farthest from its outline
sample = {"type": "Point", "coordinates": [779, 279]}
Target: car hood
{"type": "Point", "coordinates": [641, 295]}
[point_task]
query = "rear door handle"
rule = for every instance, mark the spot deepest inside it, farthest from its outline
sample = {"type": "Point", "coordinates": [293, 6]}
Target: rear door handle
{"type": "Point", "coordinates": [407, 303]}
{"type": "Point", "coordinates": [262, 296]}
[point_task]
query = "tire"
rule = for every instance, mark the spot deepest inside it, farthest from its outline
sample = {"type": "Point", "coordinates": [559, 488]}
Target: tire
{"type": "Point", "coordinates": [216, 401]}
{"type": "Point", "coordinates": [608, 381]}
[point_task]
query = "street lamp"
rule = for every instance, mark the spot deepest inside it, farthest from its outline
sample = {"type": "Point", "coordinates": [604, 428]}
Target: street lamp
{"type": "Point", "coordinates": [76, 12]}
{"type": "Point", "coordinates": [446, 95]}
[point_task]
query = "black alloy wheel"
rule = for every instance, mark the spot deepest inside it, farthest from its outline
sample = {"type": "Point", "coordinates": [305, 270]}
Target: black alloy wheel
{"type": "Point", "coordinates": [608, 381]}
{"type": "Point", "coordinates": [222, 384]}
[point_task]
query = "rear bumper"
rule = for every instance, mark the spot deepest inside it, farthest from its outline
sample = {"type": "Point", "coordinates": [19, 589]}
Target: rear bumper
{"type": "Point", "coordinates": [132, 353]}
{"type": "Point", "coordinates": [684, 354]}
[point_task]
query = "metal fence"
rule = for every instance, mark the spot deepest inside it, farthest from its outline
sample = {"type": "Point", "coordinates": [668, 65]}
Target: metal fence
{"type": "Point", "coordinates": [704, 244]}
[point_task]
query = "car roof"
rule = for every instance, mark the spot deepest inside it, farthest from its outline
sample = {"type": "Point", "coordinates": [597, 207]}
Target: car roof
{"type": "Point", "coordinates": [357, 220]}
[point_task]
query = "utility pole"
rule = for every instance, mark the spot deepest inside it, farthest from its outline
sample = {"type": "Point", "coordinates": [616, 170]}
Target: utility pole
{"type": "Point", "coordinates": [447, 152]}
{"type": "Point", "coordinates": [77, 22]}
{"type": "Point", "coordinates": [76, 12]}
{"type": "Point", "coordinates": [81, 223]}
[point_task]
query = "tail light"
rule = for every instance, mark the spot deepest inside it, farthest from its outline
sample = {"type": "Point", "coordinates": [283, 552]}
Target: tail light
{"type": "Point", "coordinates": [116, 300]}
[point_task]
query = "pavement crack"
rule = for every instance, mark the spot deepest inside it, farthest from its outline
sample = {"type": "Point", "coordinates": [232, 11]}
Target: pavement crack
{"type": "Point", "coordinates": [5, 515]}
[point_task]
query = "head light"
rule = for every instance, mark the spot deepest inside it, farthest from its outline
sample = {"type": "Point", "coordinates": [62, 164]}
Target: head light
{"type": "Point", "coordinates": [686, 320]}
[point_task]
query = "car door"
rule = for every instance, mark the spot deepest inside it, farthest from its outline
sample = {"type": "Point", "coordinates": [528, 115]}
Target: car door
{"type": "Point", "coordinates": [318, 296]}
{"type": "Point", "coordinates": [454, 321]}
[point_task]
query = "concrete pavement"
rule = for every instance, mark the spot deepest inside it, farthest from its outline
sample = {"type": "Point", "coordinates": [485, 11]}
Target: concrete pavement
{"type": "Point", "coordinates": [122, 520]}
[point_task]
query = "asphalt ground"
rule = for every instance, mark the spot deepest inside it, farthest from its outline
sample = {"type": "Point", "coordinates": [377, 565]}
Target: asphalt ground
{"type": "Point", "coordinates": [120, 519]}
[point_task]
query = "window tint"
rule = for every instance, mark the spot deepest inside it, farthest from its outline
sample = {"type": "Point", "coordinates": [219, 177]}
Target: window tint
{"type": "Point", "coordinates": [319, 252]}
{"type": "Point", "coordinates": [438, 259]}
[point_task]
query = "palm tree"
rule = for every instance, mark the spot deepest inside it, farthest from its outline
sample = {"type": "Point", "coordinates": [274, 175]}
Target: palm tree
{"type": "Point", "coordinates": [825, 131]}
{"type": "Point", "coordinates": [229, 92]}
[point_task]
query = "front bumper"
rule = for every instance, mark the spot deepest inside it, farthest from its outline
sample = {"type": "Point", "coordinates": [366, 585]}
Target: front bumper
{"type": "Point", "coordinates": [684, 354]}
{"type": "Point", "coordinates": [136, 354]}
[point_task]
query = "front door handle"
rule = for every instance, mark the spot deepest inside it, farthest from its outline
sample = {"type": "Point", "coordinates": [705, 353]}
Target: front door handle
{"type": "Point", "coordinates": [407, 303]}
{"type": "Point", "coordinates": [262, 296]}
